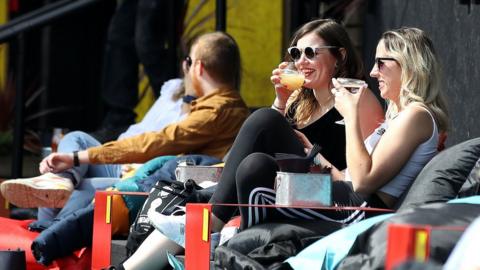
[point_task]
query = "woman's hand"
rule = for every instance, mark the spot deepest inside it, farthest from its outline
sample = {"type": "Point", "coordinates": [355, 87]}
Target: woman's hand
{"type": "Point", "coordinates": [346, 102]}
{"type": "Point", "coordinates": [56, 162]}
{"type": "Point", "coordinates": [306, 143]}
{"type": "Point", "coordinates": [281, 90]}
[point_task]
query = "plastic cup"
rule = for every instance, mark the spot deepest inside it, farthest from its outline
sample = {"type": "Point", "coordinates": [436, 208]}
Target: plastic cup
{"type": "Point", "coordinates": [292, 78]}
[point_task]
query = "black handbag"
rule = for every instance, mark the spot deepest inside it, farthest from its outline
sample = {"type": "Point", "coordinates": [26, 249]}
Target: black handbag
{"type": "Point", "coordinates": [172, 194]}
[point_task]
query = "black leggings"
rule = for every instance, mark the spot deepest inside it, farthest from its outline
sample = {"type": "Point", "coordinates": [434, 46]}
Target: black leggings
{"type": "Point", "coordinates": [250, 170]}
{"type": "Point", "coordinates": [265, 131]}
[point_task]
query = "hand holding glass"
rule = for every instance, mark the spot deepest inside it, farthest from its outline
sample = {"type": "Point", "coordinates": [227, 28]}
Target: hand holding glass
{"type": "Point", "coordinates": [352, 85]}
{"type": "Point", "coordinates": [292, 79]}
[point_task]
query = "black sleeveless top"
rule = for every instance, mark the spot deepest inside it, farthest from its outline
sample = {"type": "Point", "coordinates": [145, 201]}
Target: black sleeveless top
{"type": "Point", "coordinates": [329, 135]}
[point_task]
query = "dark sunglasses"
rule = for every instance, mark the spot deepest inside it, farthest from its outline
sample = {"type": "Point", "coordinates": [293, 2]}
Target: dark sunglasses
{"type": "Point", "coordinates": [380, 61]}
{"type": "Point", "coordinates": [295, 52]}
{"type": "Point", "coordinates": [188, 61]}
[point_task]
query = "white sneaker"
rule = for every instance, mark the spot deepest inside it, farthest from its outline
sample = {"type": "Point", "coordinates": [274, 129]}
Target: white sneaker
{"type": "Point", "coordinates": [47, 190]}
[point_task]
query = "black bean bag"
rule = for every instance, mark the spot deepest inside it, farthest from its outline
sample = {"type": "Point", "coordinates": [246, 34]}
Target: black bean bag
{"type": "Point", "coordinates": [369, 249]}
{"type": "Point", "coordinates": [267, 245]}
{"type": "Point", "coordinates": [452, 172]}
{"type": "Point", "coordinates": [445, 176]}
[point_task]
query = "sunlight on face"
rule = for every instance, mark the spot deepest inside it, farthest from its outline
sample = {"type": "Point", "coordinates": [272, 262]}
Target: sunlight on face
{"type": "Point", "coordinates": [388, 74]}
{"type": "Point", "coordinates": [319, 70]}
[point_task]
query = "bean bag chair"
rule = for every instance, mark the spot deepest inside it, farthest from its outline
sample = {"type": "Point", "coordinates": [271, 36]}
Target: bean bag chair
{"type": "Point", "coordinates": [450, 174]}
{"type": "Point", "coordinates": [14, 234]}
{"type": "Point", "coordinates": [267, 245]}
{"type": "Point", "coordinates": [453, 172]}
{"type": "Point", "coordinates": [369, 249]}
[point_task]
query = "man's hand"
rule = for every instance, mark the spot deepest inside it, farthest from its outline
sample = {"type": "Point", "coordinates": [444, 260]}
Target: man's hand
{"type": "Point", "coordinates": [56, 162]}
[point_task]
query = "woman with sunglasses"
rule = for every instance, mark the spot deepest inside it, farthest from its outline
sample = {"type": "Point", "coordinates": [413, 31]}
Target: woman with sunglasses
{"type": "Point", "coordinates": [386, 163]}
{"type": "Point", "coordinates": [321, 50]}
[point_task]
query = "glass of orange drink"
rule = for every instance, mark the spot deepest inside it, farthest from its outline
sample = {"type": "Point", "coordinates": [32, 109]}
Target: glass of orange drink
{"type": "Point", "coordinates": [291, 78]}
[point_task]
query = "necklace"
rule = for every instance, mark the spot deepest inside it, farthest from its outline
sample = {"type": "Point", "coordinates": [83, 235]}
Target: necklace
{"type": "Point", "coordinates": [327, 105]}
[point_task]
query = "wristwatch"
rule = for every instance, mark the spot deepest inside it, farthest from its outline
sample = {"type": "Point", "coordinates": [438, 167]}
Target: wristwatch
{"type": "Point", "coordinates": [76, 160]}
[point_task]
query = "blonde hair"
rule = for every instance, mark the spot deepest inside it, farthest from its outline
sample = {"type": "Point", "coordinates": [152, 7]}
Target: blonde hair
{"type": "Point", "coordinates": [421, 72]}
{"type": "Point", "coordinates": [303, 101]}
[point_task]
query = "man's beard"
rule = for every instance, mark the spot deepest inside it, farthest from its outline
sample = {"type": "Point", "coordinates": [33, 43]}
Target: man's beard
{"type": "Point", "coordinates": [197, 87]}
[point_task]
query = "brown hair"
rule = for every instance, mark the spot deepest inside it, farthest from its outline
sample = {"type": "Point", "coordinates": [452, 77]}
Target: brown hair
{"type": "Point", "coordinates": [349, 65]}
{"type": "Point", "coordinates": [220, 56]}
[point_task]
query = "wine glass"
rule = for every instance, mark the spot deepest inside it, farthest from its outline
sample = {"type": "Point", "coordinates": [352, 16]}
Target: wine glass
{"type": "Point", "coordinates": [292, 78]}
{"type": "Point", "coordinates": [352, 85]}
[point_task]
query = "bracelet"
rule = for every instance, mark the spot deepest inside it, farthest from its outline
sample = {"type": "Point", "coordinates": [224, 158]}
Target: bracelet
{"type": "Point", "coordinates": [277, 108]}
{"type": "Point", "coordinates": [76, 160]}
{"type": "Point", "coordinates": [317, 161]}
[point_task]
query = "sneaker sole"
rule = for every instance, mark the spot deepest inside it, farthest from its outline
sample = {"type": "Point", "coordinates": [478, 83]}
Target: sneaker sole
{"type": "Point", "coordinates": [26, 196]}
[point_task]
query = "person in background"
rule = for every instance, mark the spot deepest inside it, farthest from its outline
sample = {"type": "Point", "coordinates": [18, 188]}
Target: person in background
{"type": "Point", "coordinates": [168, 108]}
{"type": "Point", "coordinates": [213, 68]}
{"type": "Point", "coordinates": [137, 34]}
{"type": "Point", "coordinates": [172, 106]}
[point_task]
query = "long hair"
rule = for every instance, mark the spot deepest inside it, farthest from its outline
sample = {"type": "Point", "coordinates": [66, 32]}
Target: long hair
{"type": "Point", "coordinates": [421, 72]}
{"type": "Point", "coordinates": [349, 65]}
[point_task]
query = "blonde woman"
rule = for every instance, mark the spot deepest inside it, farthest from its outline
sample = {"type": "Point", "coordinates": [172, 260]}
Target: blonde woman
{"type": "Point", "coordinates": [385, 164]}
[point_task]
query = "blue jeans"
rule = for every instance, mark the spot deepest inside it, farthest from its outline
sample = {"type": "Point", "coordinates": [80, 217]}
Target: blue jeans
{"type": "Point", "coordinates": [88, 177]}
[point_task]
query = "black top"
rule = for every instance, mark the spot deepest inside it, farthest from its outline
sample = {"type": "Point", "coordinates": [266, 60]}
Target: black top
{"type": "Point", "coordinates": [329, 135]}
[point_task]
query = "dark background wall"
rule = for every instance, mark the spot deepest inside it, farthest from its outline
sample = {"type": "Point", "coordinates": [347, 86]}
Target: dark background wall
{"type": "Point", "coordinates": [454, 27]}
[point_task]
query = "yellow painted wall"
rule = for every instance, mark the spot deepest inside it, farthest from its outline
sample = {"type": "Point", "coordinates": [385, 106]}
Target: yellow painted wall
{"type": "Point", "coordinates": [257, 26]}
{"type": "Point", "coordinates": [146, 101]}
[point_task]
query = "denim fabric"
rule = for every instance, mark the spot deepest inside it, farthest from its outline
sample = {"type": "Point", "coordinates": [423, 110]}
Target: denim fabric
{"type": "Point", "coordinates": [86, 175]}
{"type": "Point", "coordinates": [80, 198]}
{"type": "Point", "coordinates": [77, 141]}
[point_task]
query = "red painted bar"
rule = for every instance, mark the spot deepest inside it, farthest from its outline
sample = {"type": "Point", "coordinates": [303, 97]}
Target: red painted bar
{"type": "Point", "coordinates": [407, 242]}
{"type": "Point", "coordinates": [102, 232]}
{"type": "Point", "coordinates": [197, 247]}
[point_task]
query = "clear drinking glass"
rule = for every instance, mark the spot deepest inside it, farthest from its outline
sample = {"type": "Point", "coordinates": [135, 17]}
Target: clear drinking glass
{"type": "Point", "coordinates": [352, 85]}
{"type": "Point", "coordinates": [292, 78]}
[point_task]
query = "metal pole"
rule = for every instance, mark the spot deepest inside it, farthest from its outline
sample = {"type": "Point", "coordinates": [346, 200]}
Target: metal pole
{"type": "Point", "coordinates": [20, 25]}
{"type": "Point", "coordinates": [18, 129]}
{"type": "Point", "coordinates": [221, 15]}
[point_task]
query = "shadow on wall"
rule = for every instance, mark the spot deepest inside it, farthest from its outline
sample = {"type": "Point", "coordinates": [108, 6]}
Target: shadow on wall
{"type": "Point", "coordinates": [453, 27]}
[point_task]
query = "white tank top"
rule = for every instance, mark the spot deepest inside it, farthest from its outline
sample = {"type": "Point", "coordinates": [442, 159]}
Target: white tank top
{"type": "Point", "coordinates": [424, 152]}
